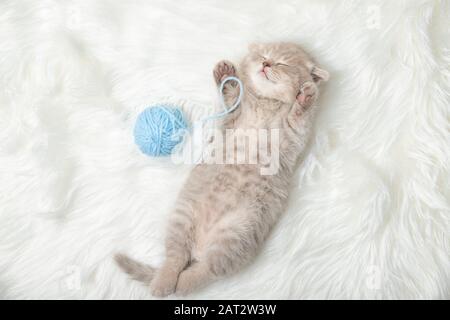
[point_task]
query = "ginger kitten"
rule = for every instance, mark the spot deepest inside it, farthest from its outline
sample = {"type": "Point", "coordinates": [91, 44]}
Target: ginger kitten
{"type": "Point", "coordinates": [226, 211]}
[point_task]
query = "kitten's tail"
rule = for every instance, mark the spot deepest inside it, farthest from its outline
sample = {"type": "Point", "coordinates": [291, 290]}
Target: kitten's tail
{"type": "Point", "coordinates": [138, 271]}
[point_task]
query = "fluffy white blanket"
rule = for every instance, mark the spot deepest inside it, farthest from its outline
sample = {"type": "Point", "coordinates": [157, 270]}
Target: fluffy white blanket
{"type": "Point", "coordinates": [368, 215]}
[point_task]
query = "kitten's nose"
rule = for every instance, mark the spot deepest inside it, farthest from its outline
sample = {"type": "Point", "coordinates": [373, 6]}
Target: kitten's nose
{"type": "Point", "coordinates": [266, 64]}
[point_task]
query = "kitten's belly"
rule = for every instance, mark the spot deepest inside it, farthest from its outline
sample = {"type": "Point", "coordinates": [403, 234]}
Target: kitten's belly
{"type": "Point", "coordinates": [224, 196]}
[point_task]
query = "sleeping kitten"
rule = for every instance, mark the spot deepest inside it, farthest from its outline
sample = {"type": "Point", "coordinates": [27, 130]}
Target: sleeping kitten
{"type": "Point", "coordinates": [226, 211]}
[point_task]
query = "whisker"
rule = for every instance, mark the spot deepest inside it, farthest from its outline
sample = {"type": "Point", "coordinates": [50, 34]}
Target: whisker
{"type": "Point", "coordinates": [274, 75]}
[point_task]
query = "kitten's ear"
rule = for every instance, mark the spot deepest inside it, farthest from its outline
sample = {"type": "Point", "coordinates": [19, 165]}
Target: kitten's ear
{"type": "Point", "coordinates": [319, 74]}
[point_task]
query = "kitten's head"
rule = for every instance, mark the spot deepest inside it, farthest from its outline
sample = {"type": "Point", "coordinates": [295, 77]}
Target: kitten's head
{"type": "Point", "coordinates": [277, 70]}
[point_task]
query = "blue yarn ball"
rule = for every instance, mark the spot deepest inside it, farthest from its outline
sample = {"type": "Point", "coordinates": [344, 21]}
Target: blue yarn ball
{"type": "Point", "coordinates": [159, 129]}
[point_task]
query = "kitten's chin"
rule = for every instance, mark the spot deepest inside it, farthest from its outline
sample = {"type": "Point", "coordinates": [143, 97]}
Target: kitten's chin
{"type": "Point", "coordinates": [267, 90]}
{"type": "Point", "coordinates": [264, 76]}
{"type": "Point", "coordinates": [261, 83]}
{"type": "Point", "coordinates": [262, 86]}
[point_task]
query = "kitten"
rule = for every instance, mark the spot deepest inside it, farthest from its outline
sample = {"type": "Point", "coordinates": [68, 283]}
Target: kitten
{"type": "Point", "coordinates": [226, 211]}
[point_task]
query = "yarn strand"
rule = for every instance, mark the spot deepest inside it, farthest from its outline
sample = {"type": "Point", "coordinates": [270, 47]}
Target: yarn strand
{"type": "Point", "coordinates": [159, 129]}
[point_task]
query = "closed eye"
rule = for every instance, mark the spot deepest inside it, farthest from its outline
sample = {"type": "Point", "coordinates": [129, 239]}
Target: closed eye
{"type": "Point", "coordinates": [282, 64]}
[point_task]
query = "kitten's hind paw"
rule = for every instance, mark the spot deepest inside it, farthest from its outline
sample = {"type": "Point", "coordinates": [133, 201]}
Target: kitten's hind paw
{"type": "Point", "coordinates": [164, 284]}
{"type": "Point", "coordinates": [161, 292]}
{"type": "Point", "coordinates": [222, 70]}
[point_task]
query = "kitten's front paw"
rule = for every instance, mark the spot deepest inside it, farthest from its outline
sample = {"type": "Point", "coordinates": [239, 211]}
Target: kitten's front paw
{"type": "Point", "coordinates": [307, 94]}
{"type": "Point", "coordinates": [222, 70]}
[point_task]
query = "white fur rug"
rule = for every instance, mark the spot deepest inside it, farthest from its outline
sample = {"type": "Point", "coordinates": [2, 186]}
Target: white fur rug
{"type": "Point", "coordinates": [369, 213]}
